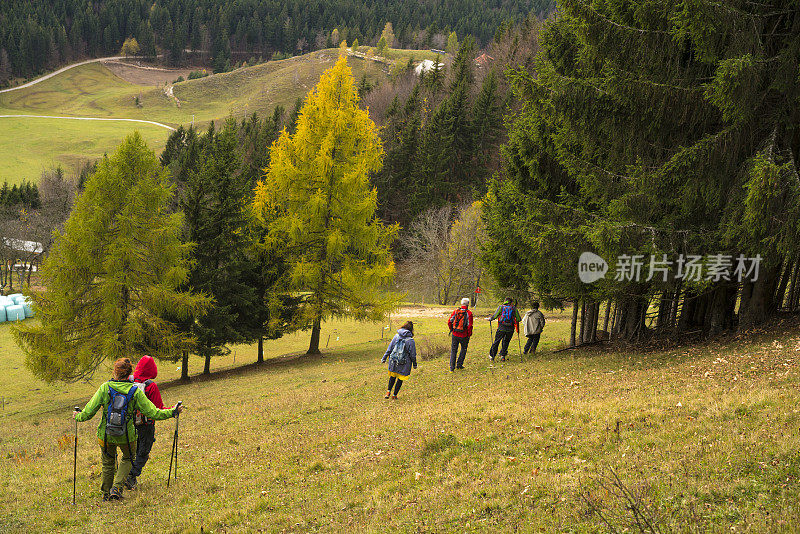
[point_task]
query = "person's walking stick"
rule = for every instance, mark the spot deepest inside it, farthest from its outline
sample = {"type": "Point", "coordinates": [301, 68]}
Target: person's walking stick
{"type": "Point", "coordinates": [75, 460]}
{"type": "Point", "coordinates": [174, 454]}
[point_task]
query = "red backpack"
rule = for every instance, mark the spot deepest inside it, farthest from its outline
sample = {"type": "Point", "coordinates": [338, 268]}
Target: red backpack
{"type": "Point", "coordinates": [461, 321]}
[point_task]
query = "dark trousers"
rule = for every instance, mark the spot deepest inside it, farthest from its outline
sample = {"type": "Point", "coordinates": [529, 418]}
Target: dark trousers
{"type": "Point", "coordinates": [454, 345]}
{"type": "Point", "coordinates": [147, 435]}
{"type": "Point", "coordinates": [532, 343]}
{"type": "Point", "coordinates": [503, 336]}
{"type": "Point", "coordinates": [396, 382]}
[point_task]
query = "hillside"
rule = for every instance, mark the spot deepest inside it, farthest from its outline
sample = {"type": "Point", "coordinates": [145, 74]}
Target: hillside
{"type": "Point", "coordinates": [93, 90]}
{"type": "Point", "coordinates": [704, 438]}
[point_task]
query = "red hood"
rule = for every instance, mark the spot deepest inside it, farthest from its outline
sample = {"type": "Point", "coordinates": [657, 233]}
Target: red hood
{"type": "Point", "coordinates": [145, 370]}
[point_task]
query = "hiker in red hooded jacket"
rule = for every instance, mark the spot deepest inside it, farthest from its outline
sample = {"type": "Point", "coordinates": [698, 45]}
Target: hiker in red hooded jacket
{"type": "Point", "coordinates": [144, 376]}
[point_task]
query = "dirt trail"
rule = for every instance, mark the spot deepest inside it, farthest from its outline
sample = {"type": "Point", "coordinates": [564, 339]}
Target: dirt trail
{"type": "Point", "coordinates": [59, 71]}
{"type": "Point", "coordinates": [87, 119]}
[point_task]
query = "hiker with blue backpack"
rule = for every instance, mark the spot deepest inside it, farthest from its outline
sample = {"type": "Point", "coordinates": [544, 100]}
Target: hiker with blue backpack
{"type": "Point", "coordinates": [119, 399]}
{"type": "Point", "coordinates": [402, 355]}
{"type": "Point", "coordinates": [507, 322]}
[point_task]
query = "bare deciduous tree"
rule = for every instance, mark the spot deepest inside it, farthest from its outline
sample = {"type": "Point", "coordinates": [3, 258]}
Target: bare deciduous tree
{"type": "Point", "coordinates": [442, 253]}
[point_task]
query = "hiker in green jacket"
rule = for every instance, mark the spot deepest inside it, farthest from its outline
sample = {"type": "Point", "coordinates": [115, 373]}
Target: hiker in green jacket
{"type": "Point", "coordinates": [113, 478]}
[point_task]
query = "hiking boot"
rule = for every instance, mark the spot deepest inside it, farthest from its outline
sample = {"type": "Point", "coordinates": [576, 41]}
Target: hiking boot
{"type": "Point", "coordinates": [388, 394]}
{"type": "Point", "coordinates": [394, 397]}
{"type": "Point", "coordinates": [105, 497]}
{"type": "Point", "coordinates": [130, 482]}
{"type": "Point", "coordinates": [462, 367]}
{"type": "Point", "coordinates": [115, 495]}
{"type": "Point", "coordinates": [503, 359]}
{"type": "Point", "coordinates": [491, 357]}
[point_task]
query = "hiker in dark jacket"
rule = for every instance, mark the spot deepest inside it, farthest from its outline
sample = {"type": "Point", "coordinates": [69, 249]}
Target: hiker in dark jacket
{"type": "Point", "coordinates": [400, 361]}
{"type": "Point", "coordinates": [507, 321]}
{"type": "Point", "coordinates": [532, 326]}
{"type": "Point", "coordinates": [460, 325]}
{"type": "Point", "coordinates": [144, 376]}
{"type": "Point", "coordinates": [113, 477]}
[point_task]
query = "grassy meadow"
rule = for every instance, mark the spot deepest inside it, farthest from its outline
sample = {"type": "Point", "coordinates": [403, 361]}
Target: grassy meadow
{"type": "Point", "coordinates": [701, 439]}
{"type": "Point", "coordinates": [29, 145]}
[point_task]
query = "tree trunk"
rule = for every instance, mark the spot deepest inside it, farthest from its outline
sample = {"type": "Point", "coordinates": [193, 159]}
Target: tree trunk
{"type": "Point", "coordinates": [583, 322]}
{"type": "Point", "coordinates": [313, 347]}
{"type": "Point", "coordinates": [792, 286]}
{"type": "Point", "coordinates": [780, 295]}
{"type": "Point", "coordinates": [757, 298]}
{"type": "Point", "coordinates": [260, 349]}
{"type": "Point", "coordinates": [185, 367]}
{"type": "Point", "coordinates": [207, 366]}
{"type": "Point", "coordinates": [631, 321]}
{"type": "Point", "coordinates": [574, 323]}
{"type": "Point", "coordinates": [720, 313]}
{"type": "Point", "coordinates": [673, 319]}
{"type": "Point", "coordinates": [595, 318]}
{"type": "Point", "coordinates": [664, 309]}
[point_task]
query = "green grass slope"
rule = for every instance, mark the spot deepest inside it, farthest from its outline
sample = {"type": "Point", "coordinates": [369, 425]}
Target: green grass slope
{"type": "Point", "coordinates": [94, 91]}
{"type": "Point", "coordinates": [30, 145]}
{"type": "Point", "coordinates": [703, 439]}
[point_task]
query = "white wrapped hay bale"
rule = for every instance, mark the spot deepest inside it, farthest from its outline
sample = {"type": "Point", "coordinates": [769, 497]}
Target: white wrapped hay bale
{"type": "Point", "coordinates": [26, 306]}
{"type": "Point", "coordinates": [15, 312]}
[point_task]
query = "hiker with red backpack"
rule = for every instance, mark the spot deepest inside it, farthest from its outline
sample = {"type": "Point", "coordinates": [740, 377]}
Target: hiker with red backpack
{"type": "Point", "coordinates": [402, 355]}
{"type": "Point", "coordinates": [460, 325]}
{"type": "Point", "coordinates": [507, 322]}
{"type": "Point", "coordinates": [119, 398]}
{"type": "Point", "coordinates": [143, 377]}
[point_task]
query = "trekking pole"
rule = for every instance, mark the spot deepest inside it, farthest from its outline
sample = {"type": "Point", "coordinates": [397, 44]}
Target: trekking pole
{"type": "Point", "coordinates": [75, 460]}
{"type": "Point", "coordinates": [174, 453]}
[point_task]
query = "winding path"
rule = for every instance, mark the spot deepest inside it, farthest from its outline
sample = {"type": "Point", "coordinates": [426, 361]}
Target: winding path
{"type": "Point", "coordinates": [88, 119]}
{"type": "Point", "coordinates": [59, 71]}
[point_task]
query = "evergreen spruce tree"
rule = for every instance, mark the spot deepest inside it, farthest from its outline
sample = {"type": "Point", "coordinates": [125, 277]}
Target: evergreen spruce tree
{"type": "Point", "coordinates": [112, 274]}
{"type": "Point", "coordinates": [213, 199]}
{"type": "Point", "coordinates": [657, 128]}
{"type": "Point", "coordinates": [317, 184]}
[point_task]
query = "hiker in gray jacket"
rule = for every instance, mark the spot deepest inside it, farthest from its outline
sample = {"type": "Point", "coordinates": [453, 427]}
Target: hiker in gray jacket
{"type": "Point", "coordinates": [532, 326]}
{"type": "Point", "coordinates": [402, 355]}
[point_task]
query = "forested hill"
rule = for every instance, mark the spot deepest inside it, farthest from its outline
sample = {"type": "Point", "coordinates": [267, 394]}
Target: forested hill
{"type": "Point", "coordinates": [37, 35]}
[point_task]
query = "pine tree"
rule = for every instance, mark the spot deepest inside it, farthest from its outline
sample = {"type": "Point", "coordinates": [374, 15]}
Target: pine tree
{"type": "Point", "coordinates": [112, 274]}
{"type": "Point", "coordinates": [213, 200]}
{"type": "Point", "coordinates": [382, 46]}
{"type": "Point", "coordinates": [452, 44]}
{"type": "Point", "coordinates": [388, 35]}
{"type": "Point", "coordinates": [317, 182]}
{"type": "Point", "coordinates": [650, 131]}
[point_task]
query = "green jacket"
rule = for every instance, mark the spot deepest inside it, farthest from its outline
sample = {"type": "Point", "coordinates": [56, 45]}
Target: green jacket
{"type": "Point", "coordinates": [139, 401]}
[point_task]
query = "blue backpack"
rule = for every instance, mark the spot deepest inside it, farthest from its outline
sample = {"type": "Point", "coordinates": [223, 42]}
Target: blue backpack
{"type": "Point", "coordinates": [398, 355]}
{"type": "Point", "coordinates": [506, 315]}
{"type": "Point", "coordinates": [117, 413]}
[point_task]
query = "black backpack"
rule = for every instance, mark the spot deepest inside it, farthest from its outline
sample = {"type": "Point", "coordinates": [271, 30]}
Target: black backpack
{"type": "Point", "coordinates": [138, 417]}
